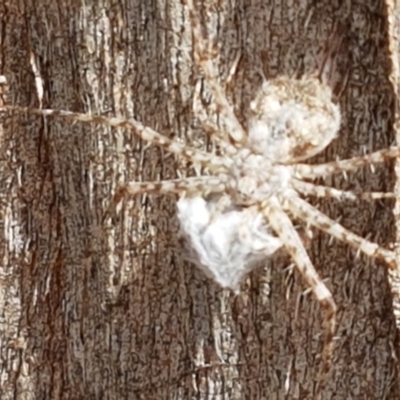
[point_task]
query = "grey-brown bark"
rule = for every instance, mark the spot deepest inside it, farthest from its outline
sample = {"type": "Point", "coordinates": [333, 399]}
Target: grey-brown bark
{"type": "Point", "coordinates": [115, 313]}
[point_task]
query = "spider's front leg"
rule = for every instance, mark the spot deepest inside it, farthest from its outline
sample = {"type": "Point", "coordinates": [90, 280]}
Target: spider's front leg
{"type": "Point", "coordinates": [202, 185]}
{"type": "Point", "coordinates": [283, 226]}
{"type": "Point", "coordinates": [195, 185]}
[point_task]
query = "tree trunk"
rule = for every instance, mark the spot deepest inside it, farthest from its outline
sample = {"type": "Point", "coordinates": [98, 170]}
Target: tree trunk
{"type": "Point", "coordinates": [112, 311]}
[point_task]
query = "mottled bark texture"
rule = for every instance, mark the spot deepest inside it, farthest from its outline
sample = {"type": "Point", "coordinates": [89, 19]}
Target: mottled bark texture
{"type": "Point", "coordinates": [116, 313]}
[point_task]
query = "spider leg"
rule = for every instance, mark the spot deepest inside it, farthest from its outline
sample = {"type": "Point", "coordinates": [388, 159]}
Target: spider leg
{"type": "Point", "coordinates": [283, 226]}
{"type": "Point", "coordinates": [310, 189]}
{"type": "Point", "coordinates": [144, 132]}
{"type": "Point", "coordinates": [203, 57]}
{"type": "Point", "coordinates": [203, 185]}
{"type": "Point", "coordinates": [209, 127]}
{"type": "Point", "coordinates": [305, 211]}
{"type": "Point", "coordinates": [193, 185]}
{"type": "Point", "coordinates": [305, 171]}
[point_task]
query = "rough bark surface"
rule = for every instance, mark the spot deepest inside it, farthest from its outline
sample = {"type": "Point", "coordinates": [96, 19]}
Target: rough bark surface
{"type": "Point", "coordinates": [116, 313]}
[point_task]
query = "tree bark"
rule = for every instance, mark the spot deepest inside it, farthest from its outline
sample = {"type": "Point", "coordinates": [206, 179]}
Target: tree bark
{"type": "Point", "coordinates": [112, 311]}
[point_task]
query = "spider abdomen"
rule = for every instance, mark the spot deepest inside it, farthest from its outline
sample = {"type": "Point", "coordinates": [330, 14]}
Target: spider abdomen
{"type": "Point", "coordinates": [292, 119]}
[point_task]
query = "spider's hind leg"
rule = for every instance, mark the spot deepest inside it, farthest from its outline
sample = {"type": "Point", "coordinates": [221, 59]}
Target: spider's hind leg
{"type": "Point", "coordinates": [203, 54]}
{"type": "Point", "coordinates": [306, 171]}
{"type": "Point", "coordinates": [310, 189]}
{"type": "Point", "coordinates": [143, 132]}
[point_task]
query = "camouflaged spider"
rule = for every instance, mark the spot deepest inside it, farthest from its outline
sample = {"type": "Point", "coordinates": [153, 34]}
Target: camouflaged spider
{"type": "Point", "coordinates": [241, 212]}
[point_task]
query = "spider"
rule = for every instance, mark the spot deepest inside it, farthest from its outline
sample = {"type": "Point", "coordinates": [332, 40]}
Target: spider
{"type": "Point", "coordinates": [241, 211]}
